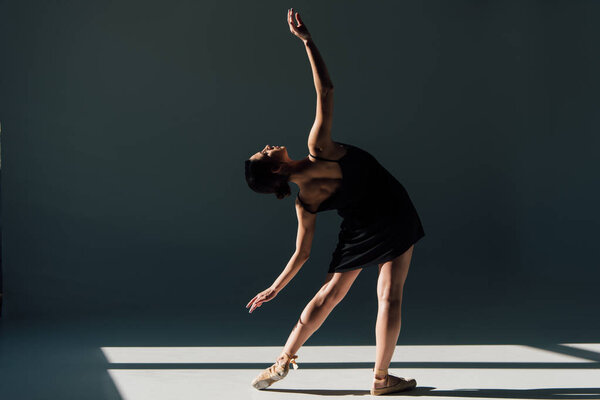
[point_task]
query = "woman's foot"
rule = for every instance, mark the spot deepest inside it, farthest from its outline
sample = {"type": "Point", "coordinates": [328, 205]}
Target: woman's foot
{"type": "Point", "coordinates": [384, 383]}
{"type": "Point", "coordinates": [275, 372]}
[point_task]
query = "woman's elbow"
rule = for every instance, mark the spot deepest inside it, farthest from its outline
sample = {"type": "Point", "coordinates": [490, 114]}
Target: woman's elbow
{"type": "Point", "coordinates": [325, 90]}
{"type": "Point", "coordinates": [303, 255]}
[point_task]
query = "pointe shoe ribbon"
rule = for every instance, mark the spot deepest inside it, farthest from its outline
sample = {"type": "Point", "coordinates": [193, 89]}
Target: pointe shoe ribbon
{"type": "Point", "coordinates": [292, 359]}
{"type": "Point", "coordinates": [294, 363]}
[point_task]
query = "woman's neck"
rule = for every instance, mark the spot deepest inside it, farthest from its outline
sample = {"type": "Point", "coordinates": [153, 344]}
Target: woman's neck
{"type": "Point", "coordinates": [298, 171]}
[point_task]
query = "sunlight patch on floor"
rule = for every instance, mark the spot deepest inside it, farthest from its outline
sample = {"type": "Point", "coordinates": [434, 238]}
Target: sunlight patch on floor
{"type": "Point", "coordinates": [502, 371]}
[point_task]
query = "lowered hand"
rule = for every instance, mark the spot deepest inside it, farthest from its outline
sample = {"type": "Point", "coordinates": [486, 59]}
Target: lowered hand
{"type": "Point", "coordinates": [259, 299]}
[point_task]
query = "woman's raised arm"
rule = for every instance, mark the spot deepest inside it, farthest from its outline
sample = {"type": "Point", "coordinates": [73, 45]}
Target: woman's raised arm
{"type": "Point", "coordinates": [319, 139]}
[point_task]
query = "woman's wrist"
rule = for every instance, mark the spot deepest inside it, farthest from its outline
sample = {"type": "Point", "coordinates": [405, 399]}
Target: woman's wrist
{"type": "Point", "coordinates": [275, 289]}
{"type": "Point", "coordinates": [307, 41]}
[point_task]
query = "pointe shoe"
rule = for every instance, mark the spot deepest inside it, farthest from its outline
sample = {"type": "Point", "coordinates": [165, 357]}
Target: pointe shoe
{"type": "Point", "coordinates": [400, 385]}
{"type": "Point", "coordinates": [275, 372]}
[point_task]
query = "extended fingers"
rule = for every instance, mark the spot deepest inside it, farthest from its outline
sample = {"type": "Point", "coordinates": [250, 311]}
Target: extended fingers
{"type": "Point", "coordinates": [293, 24]}
{"type": "Point", "coordinates": [255, 306]}
{"type": "Point", "coordinates": [251, 301]}
{"type": "Point", "coordinates": [290, 18]}
{"type": "Point", "coordinates": [255, 302]}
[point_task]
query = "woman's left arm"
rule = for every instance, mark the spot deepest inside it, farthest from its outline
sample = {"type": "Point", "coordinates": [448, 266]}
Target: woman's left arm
{"type": "Point", "coordinates": [319, 139]}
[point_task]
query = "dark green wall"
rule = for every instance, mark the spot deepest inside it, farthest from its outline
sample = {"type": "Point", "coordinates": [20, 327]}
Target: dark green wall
{"type": "Point", "coordinates": [125, 126]}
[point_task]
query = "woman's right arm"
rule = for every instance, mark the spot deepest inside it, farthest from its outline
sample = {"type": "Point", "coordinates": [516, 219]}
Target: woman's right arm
{"type": "Point", "coordinates": [306, 233]}
{"type": "Point", "coordinates": [304, 238]}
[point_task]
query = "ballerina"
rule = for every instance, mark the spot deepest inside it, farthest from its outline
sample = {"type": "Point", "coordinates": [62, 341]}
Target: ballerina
{"type": "Point", "coordinates": [380, 227]}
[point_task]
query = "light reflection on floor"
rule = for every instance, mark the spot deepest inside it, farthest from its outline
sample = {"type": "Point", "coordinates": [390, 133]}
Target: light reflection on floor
{"type": "Point", "coordinates": [561, 371]}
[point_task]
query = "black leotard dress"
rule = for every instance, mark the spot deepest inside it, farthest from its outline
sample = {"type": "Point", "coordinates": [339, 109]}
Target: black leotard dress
{"type": "Point", "coordinates": [379, 222]}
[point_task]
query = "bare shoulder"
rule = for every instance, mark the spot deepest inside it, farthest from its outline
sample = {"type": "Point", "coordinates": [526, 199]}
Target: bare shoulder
{"type": "Point", "coordinates": [329, 149]}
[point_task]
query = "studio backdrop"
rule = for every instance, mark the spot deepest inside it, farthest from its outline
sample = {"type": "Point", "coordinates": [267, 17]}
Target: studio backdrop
{"type": "Point", "coordinates": [125, 126]}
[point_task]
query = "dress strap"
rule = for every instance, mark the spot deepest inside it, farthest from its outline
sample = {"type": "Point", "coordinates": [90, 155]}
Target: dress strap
{"type": "Point", "coordinates": [321, 158]}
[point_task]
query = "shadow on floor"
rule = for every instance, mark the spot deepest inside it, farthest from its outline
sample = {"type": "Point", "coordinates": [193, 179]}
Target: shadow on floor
{"type": "Point", "coordinates": [552, 393]}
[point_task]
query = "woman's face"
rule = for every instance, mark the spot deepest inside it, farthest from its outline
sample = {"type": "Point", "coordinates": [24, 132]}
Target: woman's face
{"type": "Point", "coordinates": [276, 153]}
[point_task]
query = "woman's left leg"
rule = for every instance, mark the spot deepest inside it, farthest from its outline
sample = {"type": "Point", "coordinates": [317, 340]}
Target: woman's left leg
{"type": "Point", "coordinates": [390, 284]}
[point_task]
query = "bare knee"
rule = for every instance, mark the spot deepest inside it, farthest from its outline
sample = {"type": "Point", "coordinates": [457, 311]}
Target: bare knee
{"type": "Point", "coordinates": [322, 304]}
{"type": "Point", "coordinates": [335, 289]}
{"type": "Point", "coordinates": [390, 299]}
{"type": "Point", "coordinates": [330, 297]}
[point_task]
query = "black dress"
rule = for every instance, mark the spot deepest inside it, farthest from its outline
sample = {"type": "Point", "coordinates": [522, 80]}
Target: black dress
{"type": "Point", "coordinates": [379, 220]}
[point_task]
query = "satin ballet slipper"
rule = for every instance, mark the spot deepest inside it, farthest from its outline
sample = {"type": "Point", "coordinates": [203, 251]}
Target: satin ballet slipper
{"type": "Point", "coordinates": [401, 385]}
{"type": "Point", "coordinates": [275, 372]}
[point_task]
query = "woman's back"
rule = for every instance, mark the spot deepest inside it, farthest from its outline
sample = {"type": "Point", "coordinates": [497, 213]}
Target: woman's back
{"type": "Point", "coordinates": [367, 190]}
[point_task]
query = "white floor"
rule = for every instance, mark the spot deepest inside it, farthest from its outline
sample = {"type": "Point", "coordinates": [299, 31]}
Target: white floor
{"type": "Point", "coordinates": [460, 371]}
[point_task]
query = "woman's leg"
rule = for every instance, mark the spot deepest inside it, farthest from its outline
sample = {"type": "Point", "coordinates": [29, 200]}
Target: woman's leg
{"type": "Point", "coordinates": [316, 311]}
{"type": "Point", "coordinates": [390, 283]}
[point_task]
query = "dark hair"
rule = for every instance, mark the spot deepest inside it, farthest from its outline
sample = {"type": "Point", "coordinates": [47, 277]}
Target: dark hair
{"type": "Point", "coordinates": [261, 179]}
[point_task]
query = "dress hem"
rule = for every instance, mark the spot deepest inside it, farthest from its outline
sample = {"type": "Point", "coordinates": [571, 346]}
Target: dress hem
{"type": "Point", "coordinates": [373, 264]}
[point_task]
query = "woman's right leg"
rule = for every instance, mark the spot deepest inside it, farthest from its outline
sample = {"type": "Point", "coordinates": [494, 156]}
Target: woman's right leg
{"type": "Point", "coordinates": [316, 311]}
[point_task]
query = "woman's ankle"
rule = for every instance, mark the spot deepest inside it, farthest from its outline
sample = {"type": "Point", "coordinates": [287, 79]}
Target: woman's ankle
{"type": "Point", "coordinates": [284, 358]}
{"type": "Point", "coordinates": [380, 374]}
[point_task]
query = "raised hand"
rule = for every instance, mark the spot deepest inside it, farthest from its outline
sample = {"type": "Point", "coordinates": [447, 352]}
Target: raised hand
{"type": "Point", "coordinates": [297, 28]}
{"type": "Point", "coordinates": [265, 295]}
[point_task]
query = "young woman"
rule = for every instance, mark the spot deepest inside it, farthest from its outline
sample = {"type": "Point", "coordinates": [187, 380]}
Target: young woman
{"type": "Point", "coordinates": [379, 228]}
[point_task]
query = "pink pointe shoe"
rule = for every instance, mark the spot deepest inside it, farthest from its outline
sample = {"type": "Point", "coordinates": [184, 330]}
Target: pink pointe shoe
{"type": "Point", "coordinates": [390, 383]}
{"type": "Point", "coordinates": [275, 372]}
